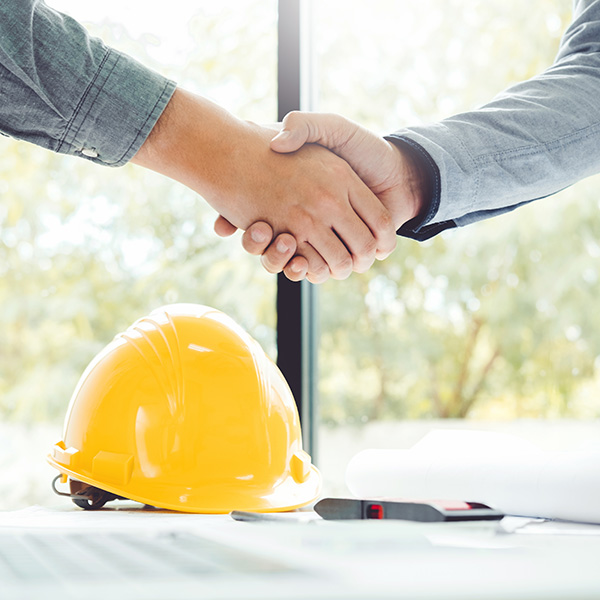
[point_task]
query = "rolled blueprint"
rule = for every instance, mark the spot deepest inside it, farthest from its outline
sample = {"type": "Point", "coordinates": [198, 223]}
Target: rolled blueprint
{"type": "Point", "coordinates": [502, 471]}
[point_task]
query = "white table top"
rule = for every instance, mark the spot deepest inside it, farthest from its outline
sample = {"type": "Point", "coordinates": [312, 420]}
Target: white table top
{"type": "Point", "coordinates": [137, 553]}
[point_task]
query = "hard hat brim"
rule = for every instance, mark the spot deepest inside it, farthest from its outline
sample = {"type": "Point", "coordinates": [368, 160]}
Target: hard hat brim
{"type": "Point", "coordinates": [287, 495]}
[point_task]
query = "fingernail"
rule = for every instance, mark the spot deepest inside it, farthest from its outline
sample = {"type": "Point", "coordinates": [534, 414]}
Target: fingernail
{"type": "Point", "coordinates": [258, 236]}
{"type": "Point", "coordinates": [296, 268]}
{"type": "Point", "coordinates": [282, 135]}
{"type": "Point", "coordinates": [282, 247]}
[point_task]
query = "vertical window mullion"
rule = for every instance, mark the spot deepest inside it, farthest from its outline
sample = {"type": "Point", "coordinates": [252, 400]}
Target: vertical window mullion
{"type": "Point", "coordinates": [296, 302]}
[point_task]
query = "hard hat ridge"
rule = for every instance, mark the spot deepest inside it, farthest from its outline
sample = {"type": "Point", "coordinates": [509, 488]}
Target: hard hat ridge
{"type": "Point", "coordinates": [161, 354]}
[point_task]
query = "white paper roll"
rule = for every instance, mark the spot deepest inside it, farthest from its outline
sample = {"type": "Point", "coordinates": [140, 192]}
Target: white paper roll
{"type": "Point", "coordinates": [503, 471]}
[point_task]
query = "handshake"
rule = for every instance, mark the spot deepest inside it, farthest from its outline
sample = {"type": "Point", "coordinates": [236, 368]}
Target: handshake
{"type": "Point", "coordinates": [320, 198]}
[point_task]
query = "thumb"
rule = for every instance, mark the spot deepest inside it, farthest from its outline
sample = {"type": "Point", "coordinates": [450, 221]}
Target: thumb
{"type": "Point", "coordinates": [295, 132]}
{"type": "Point", "coordinates": [299, 128]}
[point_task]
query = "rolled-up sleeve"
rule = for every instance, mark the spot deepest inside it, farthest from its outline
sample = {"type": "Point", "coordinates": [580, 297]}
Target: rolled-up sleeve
{"type": "Point", "coordinates": [66, 91]}
{"type": "Point", "coordinates": [531, 141]}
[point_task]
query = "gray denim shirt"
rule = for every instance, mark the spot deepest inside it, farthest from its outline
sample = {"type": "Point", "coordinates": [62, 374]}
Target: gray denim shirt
{"type": "Point", "coordinates": [531, 141]}
{"type": "Point", "coordinates": [68, 92]}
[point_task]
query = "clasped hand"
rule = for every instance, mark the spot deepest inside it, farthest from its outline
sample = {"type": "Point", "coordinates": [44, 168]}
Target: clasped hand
{"type": "Point", "coordinates": [391, 176]}
{"type": "Point", "coordinates": [320, 199]}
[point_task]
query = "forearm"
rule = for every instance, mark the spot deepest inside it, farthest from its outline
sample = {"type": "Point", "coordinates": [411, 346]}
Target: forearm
{"type": "Point", "coordinates": [206, 148]}
{"type": "Point", "coordinates": [533, 140]}
{"type": "Point", "coordinates": [311, 194]}
{"type": "Point", "coordinates": [191, 138]}
{"type": "Point", "coordinates": [68, 92]}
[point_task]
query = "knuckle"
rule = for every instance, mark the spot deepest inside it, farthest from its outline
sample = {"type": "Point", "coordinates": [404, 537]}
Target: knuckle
{"type": "Point", "coordinates": [368, 249]}
{"type": "Point", "coordinates": [326, 195]}
{"type": "Point", "coordinates": [293, 115]}
{"type": "Point", "coordinates": [320, 278]}
{"type": "Point", "coordinates": [383, 222]}
{"type": "Point", "coordinates": [339, 169]}
{"type": "Point", "coordinates": [362, 266]}
{"type": "Point", "coordinates": [343, 267]}
{"type": "Point", "coordinates": [366, 256]}
{"type": "Point", "coordinates": [332, 203]}
{"type": "Point", "coordinates": [319, 271]}
{"type": "Point", "coordinates": [304, 223]}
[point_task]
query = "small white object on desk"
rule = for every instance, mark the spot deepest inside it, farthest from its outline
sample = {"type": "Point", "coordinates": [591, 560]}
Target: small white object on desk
{"type": "Point", "coordinates": [500, 470]}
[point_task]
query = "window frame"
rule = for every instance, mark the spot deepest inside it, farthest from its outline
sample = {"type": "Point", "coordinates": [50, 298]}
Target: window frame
{"type": "Point", "coordinates": [297, 336]}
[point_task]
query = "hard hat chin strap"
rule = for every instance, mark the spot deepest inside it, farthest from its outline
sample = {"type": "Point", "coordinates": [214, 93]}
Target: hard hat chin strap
{"type": "Point", "coordinates": [84, 495]}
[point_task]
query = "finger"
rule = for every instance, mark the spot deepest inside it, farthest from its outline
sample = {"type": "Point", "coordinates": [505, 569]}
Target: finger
{"type": "Point", "coordinates": [294, 133]}
{"type": "Point", "coordinates": [348, 244]}
{"type": "Point", "coordinates": [279, 253]}
{"type": "Point", "coordinates": [297, 268]}
{"type": "Point", "coordinates": [359, 241]}
{"type": "Point", "coordinates": [333, 251]}
{"type": "Point", "coordinates": [299, 128]}
{"type": "Point", "coordinates": [223, 227]}
{"type": "Point", "coordinates": [257, 238]}
{"type": "Point", "coordinates": [376, 218]}
{"type": "Point", "coordinates": [317, 268]}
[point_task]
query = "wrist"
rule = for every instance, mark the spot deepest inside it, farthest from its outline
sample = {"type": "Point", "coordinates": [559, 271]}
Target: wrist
{"type": "Point", "coordinates": [192, 142]}
{"type": "Point", "coordinates": [416, 188]}
{"type": "Point", "coordinates": [418, 184]}
{"type": "Point", "coordinates": [414, 182]}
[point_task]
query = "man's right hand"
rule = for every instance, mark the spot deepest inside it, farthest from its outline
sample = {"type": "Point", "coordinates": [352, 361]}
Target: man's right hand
{"type": "Point", "coordinates": [312, 196]}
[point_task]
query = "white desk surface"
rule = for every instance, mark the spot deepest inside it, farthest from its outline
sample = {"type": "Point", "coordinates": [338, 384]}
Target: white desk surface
{"type": "Point", "coordinates": [302, 556]}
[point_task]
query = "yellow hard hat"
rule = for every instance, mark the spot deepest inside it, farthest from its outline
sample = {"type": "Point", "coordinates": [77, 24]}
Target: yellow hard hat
{"type": "Point", "coordinates": [185, 411]}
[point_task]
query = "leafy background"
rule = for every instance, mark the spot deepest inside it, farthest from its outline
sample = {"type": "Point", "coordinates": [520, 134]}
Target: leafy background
{"type": "Point", "coordinates": [494, 322]}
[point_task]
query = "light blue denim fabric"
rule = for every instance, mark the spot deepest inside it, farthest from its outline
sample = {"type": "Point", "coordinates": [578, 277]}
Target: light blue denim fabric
{"type": "Point", "coordinates": [68, 92]}
{"type": "Point", "coordinates": [531, 141]}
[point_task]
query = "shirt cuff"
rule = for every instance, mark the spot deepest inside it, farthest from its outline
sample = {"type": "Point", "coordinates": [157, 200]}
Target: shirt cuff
{"type": "Point", "coordinates": [420, 227]}
{"type": "Point", "coordinates": [117, 111]}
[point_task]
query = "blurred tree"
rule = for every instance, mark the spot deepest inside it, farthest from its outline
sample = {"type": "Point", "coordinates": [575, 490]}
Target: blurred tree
{"type": "Point", "coordinates": [84, 251]}
{"type": "Point", "coordinates": [494, 320]}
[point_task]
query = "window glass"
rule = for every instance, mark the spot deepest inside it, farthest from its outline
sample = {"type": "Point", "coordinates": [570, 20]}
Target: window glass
{"type": "Point", "coordinates": [490, 326]}
{"type": "Point", "coordinates": [85, 250]}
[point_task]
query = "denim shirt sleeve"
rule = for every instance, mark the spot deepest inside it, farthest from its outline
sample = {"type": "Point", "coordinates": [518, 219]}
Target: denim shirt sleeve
{"type": "Point", "coordinates": [531, 141]}
{"type": "Point", "coordinates": [68, 92]}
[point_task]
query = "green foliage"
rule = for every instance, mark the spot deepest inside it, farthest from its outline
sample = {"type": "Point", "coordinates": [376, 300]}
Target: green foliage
{"type": "Point", "coordinates": [85, 250]}
{"type": "Point", "coordinates": [402, 62]}
{"type": "Point", "coordinates": [492, 321]}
